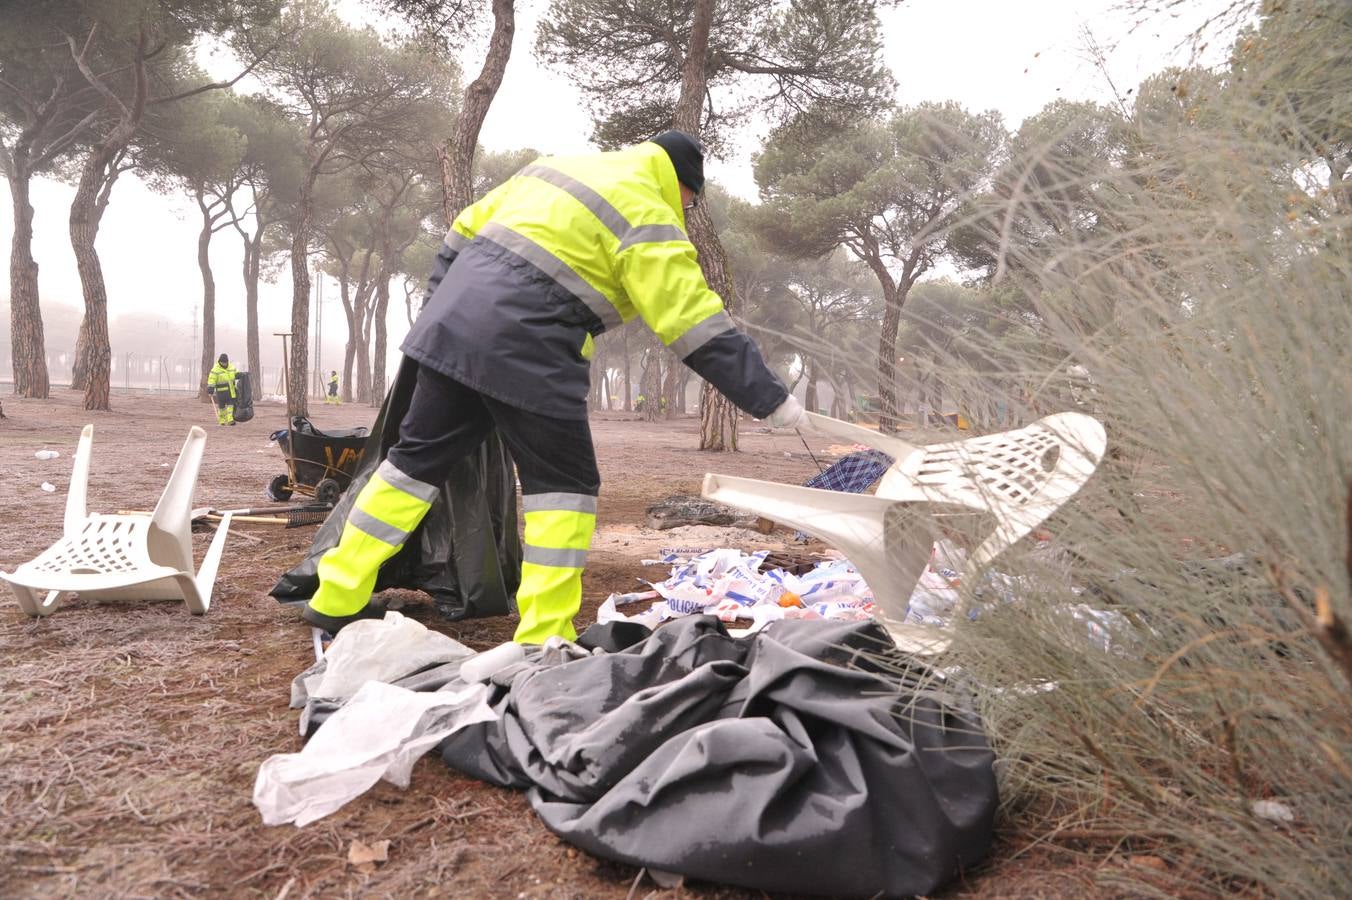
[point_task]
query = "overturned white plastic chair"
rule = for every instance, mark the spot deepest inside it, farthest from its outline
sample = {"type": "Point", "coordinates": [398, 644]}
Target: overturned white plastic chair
{"type": "Point", "coordinates": [1017, 477]}
{"type": "Point", "coordinates": [125, 557]}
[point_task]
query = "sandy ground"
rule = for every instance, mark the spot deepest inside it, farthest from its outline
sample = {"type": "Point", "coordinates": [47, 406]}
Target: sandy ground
{"type": "Point", "coordinates": [130, 734]}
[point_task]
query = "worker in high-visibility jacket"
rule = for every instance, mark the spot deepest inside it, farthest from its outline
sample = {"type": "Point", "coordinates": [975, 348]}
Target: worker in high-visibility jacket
{"type": "Point", "coordinates": [527, 277]}
{"type": "Point", "coordinates": [332, 396]}
{"type": "Point", "coordinates": [221, 387]}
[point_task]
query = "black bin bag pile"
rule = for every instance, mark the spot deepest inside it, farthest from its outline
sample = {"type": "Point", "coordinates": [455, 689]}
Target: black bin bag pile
{"type": "Point", "coordinates": [788, 760]}
{"type": "Point", "coordinates": [466, 553]}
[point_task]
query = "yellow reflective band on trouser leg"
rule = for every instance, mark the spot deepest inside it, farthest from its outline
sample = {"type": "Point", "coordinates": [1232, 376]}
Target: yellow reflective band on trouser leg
{"type": "Point", "coordinates": [229, 414]}
{"type": "Point", "coordinates": [387, 510]}
{"type": "Point", "coordinates": [554, 555]}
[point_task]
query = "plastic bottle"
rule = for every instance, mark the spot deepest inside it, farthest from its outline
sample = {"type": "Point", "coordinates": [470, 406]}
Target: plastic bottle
{"type": "Point", "coordinates": [47, 454]}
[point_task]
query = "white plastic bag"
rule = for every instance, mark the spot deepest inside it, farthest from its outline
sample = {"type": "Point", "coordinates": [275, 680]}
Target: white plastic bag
{"type": "Point", "coordinates": [380, 650]}
{"type": "Point", "coordinates": [380, 733]}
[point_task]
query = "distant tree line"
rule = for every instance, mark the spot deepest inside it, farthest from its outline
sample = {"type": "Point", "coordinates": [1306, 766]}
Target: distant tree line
{"type": "Point", "coordinates": [340, 149]}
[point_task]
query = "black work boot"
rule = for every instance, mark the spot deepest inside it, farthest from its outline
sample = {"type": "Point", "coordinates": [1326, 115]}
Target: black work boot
{"type": "Point", "coordinates": [334, 624]}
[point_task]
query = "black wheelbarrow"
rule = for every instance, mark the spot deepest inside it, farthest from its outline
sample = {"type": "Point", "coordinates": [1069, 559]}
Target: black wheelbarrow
{"type": "Point", "coordinates": [319, 464]}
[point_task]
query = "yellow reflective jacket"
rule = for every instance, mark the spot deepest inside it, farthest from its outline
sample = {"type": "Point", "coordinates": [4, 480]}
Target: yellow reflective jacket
{"type": "Point", "coordinates": [222, 378]}
{"type": "Point", "coordinates": [564, 250]}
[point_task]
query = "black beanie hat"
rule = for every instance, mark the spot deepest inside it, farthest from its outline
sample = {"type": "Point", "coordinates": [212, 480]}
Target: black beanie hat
{"type": "Point", "coordinates": [224, 360]}
{"type": "Point", "coordinates": [686, 155]}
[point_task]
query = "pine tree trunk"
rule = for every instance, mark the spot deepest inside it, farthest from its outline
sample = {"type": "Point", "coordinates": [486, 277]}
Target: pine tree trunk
{"type": "Point", "coordinates": [363, 355]}
{"type": "Point", "coordinates": [253, 251]}
{"type": "Point", "coordinates": [350, 347]}
{"type": "Point", "coordinates": [597, 377]}
{"type": "Point", "coordinates": [682, 383]}
{"type": "Point", "coordinates": [628, 382]}
{"type": "Point", "coordinates": [208, 301]}
{"type": "Point", "coordinates": [381, 340]}
{"type": "Point", "coordinates": [457, 159]}
{"type": "Point", "coordinates": [84, 229]}
{"type": "Point", "coordinates": [887, 366]}
{"type": "Point", "coordinates": [298, 404]}
{"type": "Point", "coordinates": [79, 367]}
{"type": "Point", "coordinates": [650, 386]}
{"type": "Point", "coordinates": [810, 393]}
{"type": "Point", "coordinates": [27, 343]}
{"type": "Point", "coordinates": [669, 382]}
{"type": "Point", "coordinates": [718, 417]}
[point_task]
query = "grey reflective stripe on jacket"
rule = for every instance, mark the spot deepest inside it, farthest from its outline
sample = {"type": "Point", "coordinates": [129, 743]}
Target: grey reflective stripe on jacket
{"type": "Point", "coordinates": [598, 205]}
{"type": "Point", "coordinates": [510, 311]}
{"type": "Point", "coordinates": [557, 270]}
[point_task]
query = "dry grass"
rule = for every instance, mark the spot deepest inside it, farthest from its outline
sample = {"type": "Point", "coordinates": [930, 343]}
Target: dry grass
{"type": "Point", "coordinates": [1202, 274]}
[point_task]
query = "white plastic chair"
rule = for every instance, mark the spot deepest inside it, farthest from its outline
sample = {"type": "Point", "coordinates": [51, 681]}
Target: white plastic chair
{"type": "Point", "coordinates": [114, 557]}
{"type": "Point", "coordinates": [1018, 477]}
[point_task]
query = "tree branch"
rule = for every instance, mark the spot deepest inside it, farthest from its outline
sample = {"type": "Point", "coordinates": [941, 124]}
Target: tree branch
{"type": "Point", "coordinates": [216, 85]}
{"type": "Point", "coordinates": [88, 73]}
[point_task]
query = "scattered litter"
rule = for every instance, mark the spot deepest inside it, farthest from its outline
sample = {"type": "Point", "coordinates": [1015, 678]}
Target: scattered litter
{"type": "Point", "coordinates": [49, 487]}
{"type": "Point", "coordinates": [363, 856]}
{"type": "Point", "coordinates": [47, 454]}
{"type": "Point", "coordinates": [634, 597]}
{"type": "Point", "coordinates": [1273, 811]}
{"type": "Point", "coordinates": [734, 585]}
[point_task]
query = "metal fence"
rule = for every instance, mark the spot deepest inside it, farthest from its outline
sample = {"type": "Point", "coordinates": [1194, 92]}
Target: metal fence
{"type": "Point", "coordinates": [136, 373]}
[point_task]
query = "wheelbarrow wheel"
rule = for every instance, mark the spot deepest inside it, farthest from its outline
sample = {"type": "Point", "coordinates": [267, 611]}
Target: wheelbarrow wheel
{"type": "Point", "coordinates": [328, 491]}
{"type": "Point", "coordinates": [279, 488]}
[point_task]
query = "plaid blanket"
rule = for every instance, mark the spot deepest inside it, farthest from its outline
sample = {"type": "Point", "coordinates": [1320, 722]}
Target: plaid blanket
{"type": "Point", "coordinates": [853, 474]}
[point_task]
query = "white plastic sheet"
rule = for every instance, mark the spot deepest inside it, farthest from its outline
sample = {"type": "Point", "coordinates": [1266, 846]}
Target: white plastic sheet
{"type": "Point", "coordinates": [379, 733]}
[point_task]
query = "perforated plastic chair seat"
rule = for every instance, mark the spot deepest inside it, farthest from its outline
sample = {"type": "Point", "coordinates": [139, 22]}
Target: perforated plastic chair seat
{"type": "Point", "coordinates": [1017, 477]}
{"type": "Point", "coordinates": [125, 557]}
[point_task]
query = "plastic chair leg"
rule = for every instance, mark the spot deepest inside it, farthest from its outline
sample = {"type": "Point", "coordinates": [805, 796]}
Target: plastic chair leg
{"type": "Point", "coordinates": [845, 431]}
{"type": "Point", "coordinates": [205, 582]}
{"type": "Point", "coordinates": [889, 542]}
{"type": "Point", "coordinates": [33, 603]}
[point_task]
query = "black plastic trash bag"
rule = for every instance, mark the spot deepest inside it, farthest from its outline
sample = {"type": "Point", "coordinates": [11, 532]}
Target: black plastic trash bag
{"type": "Point", "coordinates": [244, 410]}
{"type": "Point", "coordinates": [466, 553]}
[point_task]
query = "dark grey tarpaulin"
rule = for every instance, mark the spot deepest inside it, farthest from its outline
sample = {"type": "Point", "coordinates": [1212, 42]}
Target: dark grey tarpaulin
{"type": "Point", "coordinates": [466, 553]}
{"type": "Point", "coordinates": [783, 761]}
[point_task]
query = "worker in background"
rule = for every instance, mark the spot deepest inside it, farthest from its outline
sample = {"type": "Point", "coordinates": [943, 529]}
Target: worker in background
{"type": "Point", "coordinates": [526, 278]}
{"type": "Point", "coordinates": [332, 395]}
{"type": "Point", "coordinates": [221, 387]}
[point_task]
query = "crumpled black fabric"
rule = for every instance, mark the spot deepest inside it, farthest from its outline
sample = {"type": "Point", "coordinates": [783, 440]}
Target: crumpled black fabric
{"type": "Point", "coordinates": [783, 761]}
